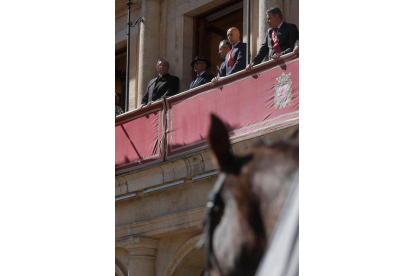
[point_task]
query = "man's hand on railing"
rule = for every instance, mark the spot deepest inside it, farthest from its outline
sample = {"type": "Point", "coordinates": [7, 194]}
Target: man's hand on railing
{"type": "Point", "coordinates": [276, 56]}
{"type": "Point", "coordinates": [214, 81]}
{"type": "Point", "coordinates": [296, 49]}
{"type": "Point", "coordinates": [249, 67]}
{"type": "Point", "coordinates": [143, 105]}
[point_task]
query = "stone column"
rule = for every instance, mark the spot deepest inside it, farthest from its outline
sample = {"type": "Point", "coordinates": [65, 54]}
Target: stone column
{"type": "Point", "coordinates": [184, 26]}
{"type": "Point", "coordinates": [142, 254]}
{"type": "Point", "coordinates": [149, 45]}
{"type": "Point", "coordinates": [133, 61]}
{"type": "Point", "coordinates": [291, 12]}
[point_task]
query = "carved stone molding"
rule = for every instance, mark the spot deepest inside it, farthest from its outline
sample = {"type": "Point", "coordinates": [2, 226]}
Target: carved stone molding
{"type": "Point", "coordinates": [162, 225]}
{"type": "Point", "coordinates": [183, 168]}
{"type": "Point", "coordinates": [139, 246]}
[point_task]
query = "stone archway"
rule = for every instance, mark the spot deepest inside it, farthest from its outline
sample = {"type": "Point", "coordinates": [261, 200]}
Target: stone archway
{"type": "Point", "coordinates": [188, 260]}
{"type": "Point", "coordinates": [118, 271]}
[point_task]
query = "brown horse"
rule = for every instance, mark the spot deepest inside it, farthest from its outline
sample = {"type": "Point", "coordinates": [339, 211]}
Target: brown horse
{"type": "Point", "coordinates": [246, 201]}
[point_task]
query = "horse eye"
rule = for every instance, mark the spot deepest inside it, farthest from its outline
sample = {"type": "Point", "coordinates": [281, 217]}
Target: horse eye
{"type": "Point", "coordinates": [218, 205]}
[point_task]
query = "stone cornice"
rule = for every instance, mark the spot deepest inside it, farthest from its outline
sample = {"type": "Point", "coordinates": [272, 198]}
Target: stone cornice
{"type": "Point", "coordinates": [168, 224]}
{"type": "Point", "coordinates": [181, 169]}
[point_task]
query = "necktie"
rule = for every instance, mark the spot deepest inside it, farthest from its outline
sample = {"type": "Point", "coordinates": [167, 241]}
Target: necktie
{"type": "Point", "coordinates": [276, 47]}
{"type": "Point", "coordinates": [198, 79]}
{"type": "Point", "coordinates": [231, 61]}
{"type": "Point", "coordinates": [195, 82]}
{"type": "Point", "coordinates": [158, 79]}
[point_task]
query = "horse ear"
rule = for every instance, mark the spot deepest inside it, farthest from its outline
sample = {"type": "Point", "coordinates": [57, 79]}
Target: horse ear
{"type": "Point", "coordinates": [218, 138]}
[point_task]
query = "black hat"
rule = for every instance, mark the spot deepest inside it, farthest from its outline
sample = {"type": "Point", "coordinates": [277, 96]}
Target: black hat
{"type": "Point", "coordinates": [202, 59]}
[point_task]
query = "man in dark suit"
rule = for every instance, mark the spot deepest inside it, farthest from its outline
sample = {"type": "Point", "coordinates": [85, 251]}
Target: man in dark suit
{"type": "Point", "coordinates": [164, 85]}
{"type": "Point", "coordinates": [224, 47]}
{"type": "Point", "coordinates": [200, 64]}
{"type": "Point", "coordinates": [236, 58]}
{"type": "Point", "coordinates": [280, 38]}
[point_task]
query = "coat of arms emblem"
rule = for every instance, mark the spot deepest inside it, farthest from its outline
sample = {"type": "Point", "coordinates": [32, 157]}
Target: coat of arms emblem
{"type": "Point", "coordinates": [283, 88]}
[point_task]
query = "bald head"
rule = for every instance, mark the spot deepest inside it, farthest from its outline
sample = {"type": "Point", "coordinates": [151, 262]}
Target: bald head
{"type": "Point", "coordinates": [233, 35]}
{"type": "Point", "coordinates": [162, 66]}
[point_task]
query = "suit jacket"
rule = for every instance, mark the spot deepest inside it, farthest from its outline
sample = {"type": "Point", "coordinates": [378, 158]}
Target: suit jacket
{"type": "Point", "coordinates": [222, 71]}
{"type": "Point", "coordinates": [287, 35]}
{"type": "Point", "coordinates": [239, 57]}
{"type": "Point", "coordinates": [166, 86]}
{"type": "Point", "coordinates": [204, 78]}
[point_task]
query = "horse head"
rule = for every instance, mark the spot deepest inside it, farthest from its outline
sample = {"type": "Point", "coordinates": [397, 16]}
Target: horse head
{"type": "Point", "coordinates": [246, 200]}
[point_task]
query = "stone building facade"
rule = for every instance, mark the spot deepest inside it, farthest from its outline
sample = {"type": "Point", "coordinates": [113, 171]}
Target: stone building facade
{"type": "Point", "coordinates": [159, 210]}
{"type": "Point", "coordinates": [174, 29]}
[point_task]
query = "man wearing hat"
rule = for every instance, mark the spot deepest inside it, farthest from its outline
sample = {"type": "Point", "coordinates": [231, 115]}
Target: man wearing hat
{"type": "Point", "coordinates": [200, 64]}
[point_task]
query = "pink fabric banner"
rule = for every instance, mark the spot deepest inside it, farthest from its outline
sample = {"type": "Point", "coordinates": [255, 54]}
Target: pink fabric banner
{"type": "Point", "coordinates": [250, 105]}
{"type": "Point", "coordinates": [139, 138]}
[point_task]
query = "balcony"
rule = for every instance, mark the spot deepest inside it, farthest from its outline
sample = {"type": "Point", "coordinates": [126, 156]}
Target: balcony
{"type": "Point", "coordinates": [250, 103]}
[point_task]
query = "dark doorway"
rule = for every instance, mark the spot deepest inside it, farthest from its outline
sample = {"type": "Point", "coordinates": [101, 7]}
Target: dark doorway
{"type": "Point", "coordinates": [120, 76]}
{"type": "Point", "coordinates": [210, 28]}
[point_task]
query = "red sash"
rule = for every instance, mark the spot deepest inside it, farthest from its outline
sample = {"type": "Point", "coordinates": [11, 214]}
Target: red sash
{"type": "Point", "coordinates": [276, 47]}
{"type": "Point", "coordinates": [231, 60]}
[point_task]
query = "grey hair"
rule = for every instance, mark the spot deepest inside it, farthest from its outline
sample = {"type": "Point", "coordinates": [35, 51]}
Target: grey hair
{"type": "Point", "coordinates": [226, 43]}
{"type": "Point", "coordinates": [274, 11]}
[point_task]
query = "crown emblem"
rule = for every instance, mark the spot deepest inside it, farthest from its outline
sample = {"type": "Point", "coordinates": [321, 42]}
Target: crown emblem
{"type": "Point", "coordinates": [283, 78]}
{"type": "Point", "coordinates": [283, 95]}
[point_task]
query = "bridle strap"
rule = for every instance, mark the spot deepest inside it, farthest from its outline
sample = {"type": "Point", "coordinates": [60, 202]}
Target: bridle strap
{"type": "Point", "coordinates": [219, 183]}
{"type": "Point", "coordinates": [207, 237]}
